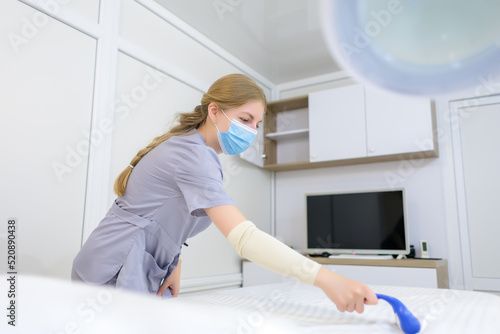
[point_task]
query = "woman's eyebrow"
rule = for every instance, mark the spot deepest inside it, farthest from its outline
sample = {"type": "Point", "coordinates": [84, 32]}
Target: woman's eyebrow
{"type": "Point", "coordinates": [249, 114]}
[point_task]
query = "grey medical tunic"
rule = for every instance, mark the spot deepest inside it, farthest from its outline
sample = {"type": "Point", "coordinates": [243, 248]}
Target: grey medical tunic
{"type": "Point", "coordinates": [138, 242]}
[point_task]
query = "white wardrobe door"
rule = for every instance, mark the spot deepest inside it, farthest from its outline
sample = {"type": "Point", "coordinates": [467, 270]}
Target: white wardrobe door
{"type": "Point", "coordinates": [337, 127]}
{"type": "Point", "coordinates": [46, 91]}
{"type": "Point", "coordinates": [481, 164]}
{"type": "Point", "coordinates": [397, 123]}
{"type": "Point", "coordinates": [154, 34]}
{"type": "Point", "coordinates": [86, 8]}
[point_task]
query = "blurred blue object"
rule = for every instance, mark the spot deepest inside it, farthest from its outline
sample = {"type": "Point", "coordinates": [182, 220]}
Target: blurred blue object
{"type": "Point", "coordinates": [424, 47]}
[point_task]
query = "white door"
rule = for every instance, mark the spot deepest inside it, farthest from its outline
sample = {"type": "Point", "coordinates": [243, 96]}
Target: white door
{"type": "Point", "coordinates": [476, 158]}
{"type": "Point", "coordinates": [337, 124]}
{"type": "Point", "coordinates": [46, 101]}
{"type": "Point", "coordinates": [397, 123]}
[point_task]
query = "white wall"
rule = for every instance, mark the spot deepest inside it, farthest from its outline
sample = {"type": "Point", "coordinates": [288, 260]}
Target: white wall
{"type": "Point", "coordinates": [119, 70]}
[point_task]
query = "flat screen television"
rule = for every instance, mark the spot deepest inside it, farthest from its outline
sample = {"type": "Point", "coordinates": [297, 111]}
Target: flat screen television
{"type": "Point", "coordinates": [360, 222]}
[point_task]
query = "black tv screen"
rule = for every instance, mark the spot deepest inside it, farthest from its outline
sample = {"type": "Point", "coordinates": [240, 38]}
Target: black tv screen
{"type": "Point", "coordinates": [371, 222]}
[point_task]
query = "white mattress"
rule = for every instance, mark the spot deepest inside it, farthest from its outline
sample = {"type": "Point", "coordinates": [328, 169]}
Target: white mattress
{"type": "Point", "coordinates": [46, 305]}
{"type": "Point", "coordinates": [305, 309]}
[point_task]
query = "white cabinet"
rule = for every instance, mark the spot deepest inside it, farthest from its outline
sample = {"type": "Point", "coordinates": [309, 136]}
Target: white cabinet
{"type": "Point", "coordinates": [358, 122]}
{"type": "Point", "coordinates": [398, 276]}
{"type": "Point", "coordinates": [407, 272]}
{"type": "Point", "coordinates": [396, 123]}
{"type": "Point", "coordinates": [253, 274]}
{"type": "Point", "coordinates": [337, 124]}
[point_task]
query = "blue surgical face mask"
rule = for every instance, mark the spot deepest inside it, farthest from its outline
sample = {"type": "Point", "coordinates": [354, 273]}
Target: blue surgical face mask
{"type": "Point", "coordinates": [237, 138]}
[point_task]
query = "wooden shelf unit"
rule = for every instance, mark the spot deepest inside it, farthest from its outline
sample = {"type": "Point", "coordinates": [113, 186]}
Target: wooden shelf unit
{"type": "Point", "coordinates": [272, 137]}
{"type": "Point", "coordinates": [270, 126]}
{"type": "Point", "coordinates": [292, 134]}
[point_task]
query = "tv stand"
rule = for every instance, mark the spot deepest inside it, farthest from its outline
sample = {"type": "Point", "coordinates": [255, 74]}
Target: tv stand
{"type": "Point", "coordinates": [361, 257]}
{"type": "Point", "coordinates": [405, 272]}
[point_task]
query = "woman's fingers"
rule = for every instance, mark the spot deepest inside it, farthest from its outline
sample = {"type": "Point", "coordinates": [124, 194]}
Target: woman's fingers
{"type": "Point", "coordinates": [360, 305]}
{"type": "Point", "coordinates": [356, 301]}
{"type": "Point", "coordinates": [351, 306]}
{"type": "Point", "coordinates": [161, 291]}
{"type": "Point", "coordinates": [163, 288]}
{"type": "Point", "coordinates": [371, 298]}
{"type": "Point", "coordinates": [174, 290]}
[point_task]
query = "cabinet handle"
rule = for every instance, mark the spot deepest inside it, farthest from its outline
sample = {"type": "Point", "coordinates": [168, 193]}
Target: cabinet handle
{"type": "Point", "coordinates": [313, 156]}
{"type": "Point", "coordinates": [372, 150]}
{"type": "Point", "coordinates": [264, 157]}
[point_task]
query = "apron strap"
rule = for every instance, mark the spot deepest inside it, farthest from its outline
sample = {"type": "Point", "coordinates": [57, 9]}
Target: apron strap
{"type": "Point", "coordinates": [129, 217]}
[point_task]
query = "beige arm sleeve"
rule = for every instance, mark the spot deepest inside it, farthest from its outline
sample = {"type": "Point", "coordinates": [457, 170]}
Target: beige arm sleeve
{"type": "Point", "coordinates": [261, 248]}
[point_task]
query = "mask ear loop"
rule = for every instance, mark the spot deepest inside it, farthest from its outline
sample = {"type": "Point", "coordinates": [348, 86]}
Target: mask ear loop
{"type": "Point", "coordinates": [226, 117]}
{"type": "Point", "coordinates": [219, 133]}
{"type": "Point", "coordinates": [216, 126]}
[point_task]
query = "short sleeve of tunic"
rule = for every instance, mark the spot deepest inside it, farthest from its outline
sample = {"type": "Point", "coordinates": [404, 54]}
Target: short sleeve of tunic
{"type": "Point", "coordinates": [198, 175]}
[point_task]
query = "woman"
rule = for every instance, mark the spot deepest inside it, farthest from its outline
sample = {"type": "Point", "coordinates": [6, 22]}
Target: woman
{"type": "Point", "coordinates": [172, 190]}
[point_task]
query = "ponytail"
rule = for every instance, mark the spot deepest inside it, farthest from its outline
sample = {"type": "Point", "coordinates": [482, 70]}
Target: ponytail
{"type": "Point", "coordinates": [230, 91]}
{"type": "Point", "coordinates": [187, 122]}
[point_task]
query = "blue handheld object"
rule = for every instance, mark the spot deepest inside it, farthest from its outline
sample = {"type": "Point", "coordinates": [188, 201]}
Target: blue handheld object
{"type": "Point", "coordinates": [405, 319]}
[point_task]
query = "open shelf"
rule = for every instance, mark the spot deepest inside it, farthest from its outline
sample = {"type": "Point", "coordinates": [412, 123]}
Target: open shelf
{"type": "Point", "coordinates": [286, 131]}
{"type": "Point", "coordinates": [291, 134]}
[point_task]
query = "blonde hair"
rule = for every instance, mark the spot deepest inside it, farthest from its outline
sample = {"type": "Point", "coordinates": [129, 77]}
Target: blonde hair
{"type": "Point", "coordinates": [228, 92]}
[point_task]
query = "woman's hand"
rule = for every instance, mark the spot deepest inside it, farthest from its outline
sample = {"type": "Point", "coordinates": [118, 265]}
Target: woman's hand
{"type": "Point", "coordinates": [172, 282]}
{"type": "Point", "coordinates": [347, 294]}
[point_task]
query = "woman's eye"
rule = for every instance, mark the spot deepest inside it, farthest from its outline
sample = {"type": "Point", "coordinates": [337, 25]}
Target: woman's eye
{"type": "Point", "coordinates": [244, 120]}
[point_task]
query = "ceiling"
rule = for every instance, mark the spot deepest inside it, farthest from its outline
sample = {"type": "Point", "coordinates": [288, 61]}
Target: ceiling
{"type": "Point", "coordinates": [280, 39]}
